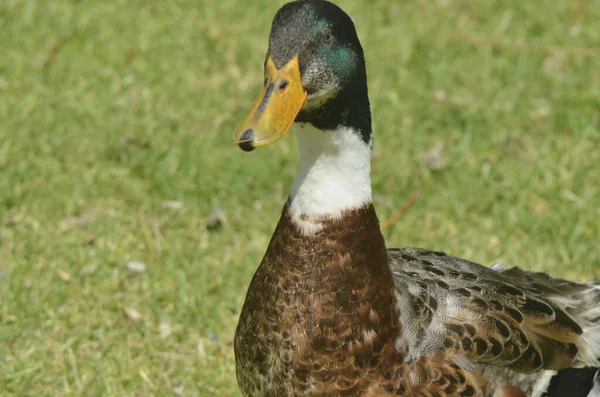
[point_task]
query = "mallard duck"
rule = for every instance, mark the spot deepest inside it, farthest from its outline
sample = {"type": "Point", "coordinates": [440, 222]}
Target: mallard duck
{"type": "Point", "coordinates": [331, 311]}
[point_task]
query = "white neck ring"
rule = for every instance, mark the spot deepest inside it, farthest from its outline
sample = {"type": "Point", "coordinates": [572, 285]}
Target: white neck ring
{"type": "Point", "coordinates": [334, 176]}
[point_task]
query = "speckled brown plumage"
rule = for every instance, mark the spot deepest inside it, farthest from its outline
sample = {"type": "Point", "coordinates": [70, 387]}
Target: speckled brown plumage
{"type": "Point", "coordinates": [335, 313]}
{"type": "Point", "coordinates": [320, 312]}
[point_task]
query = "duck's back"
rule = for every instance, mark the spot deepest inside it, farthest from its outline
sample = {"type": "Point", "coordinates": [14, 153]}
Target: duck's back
{"type": "Point", "coordinates": [512, 325]}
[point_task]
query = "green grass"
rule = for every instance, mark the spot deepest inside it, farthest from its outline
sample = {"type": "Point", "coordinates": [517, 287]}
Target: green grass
{"type": "Point", "coordinates": [110, 112]}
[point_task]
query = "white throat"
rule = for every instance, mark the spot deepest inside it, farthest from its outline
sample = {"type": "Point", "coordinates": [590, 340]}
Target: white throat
{"type": "Point", "coordinates": [334, 176]}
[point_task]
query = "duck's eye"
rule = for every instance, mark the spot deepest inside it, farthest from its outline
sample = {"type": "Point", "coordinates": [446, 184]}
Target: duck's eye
{"type": "Point", "coordinates": [328, 38]}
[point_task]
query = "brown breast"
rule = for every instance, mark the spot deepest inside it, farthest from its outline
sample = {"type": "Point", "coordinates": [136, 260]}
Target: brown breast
{"type": "Point", "coordinates": [320, 310]}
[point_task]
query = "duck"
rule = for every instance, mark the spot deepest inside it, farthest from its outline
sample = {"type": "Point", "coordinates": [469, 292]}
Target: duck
{"type": "Point", "coordinates": [331, 311]}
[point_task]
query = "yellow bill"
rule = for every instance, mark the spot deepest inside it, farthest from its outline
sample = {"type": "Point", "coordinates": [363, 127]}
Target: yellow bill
{"type": "Point", "coordinates": [274, 111]}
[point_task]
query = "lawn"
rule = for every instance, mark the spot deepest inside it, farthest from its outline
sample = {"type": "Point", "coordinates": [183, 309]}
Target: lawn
{"type": "Point", "coordinates": [130, 226]}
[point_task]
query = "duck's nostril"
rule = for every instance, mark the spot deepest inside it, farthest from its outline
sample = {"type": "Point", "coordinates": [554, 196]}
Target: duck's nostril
{"type": "Point", "coordinates": [246, 140]}
{"type": "Point", "coordinates": [283, 85]}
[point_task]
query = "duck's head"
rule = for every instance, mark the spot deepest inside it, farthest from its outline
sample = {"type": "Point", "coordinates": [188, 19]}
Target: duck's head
{"type": "Point", "coordinates": [314, 72]}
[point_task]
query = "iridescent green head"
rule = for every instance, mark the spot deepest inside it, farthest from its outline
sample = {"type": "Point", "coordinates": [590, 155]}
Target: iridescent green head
{"type": "Point", "coordinates": [314, 73]}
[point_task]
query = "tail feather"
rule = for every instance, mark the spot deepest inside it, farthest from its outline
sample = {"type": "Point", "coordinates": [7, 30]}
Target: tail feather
{"type": "Point", "coordinates": [589, 319]}
{"type": "Point", "coordinates": [581, 301]}
{"type": "Point", "coordinates": [589, 348]}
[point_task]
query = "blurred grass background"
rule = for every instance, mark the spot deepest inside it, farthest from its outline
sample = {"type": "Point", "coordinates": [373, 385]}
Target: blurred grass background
{"type": "Point", "coordinates": [130, 226]}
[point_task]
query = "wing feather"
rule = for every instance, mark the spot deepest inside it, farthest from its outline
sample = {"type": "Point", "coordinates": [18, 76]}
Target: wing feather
{"type": "Point", "coordinates": [481, 315]}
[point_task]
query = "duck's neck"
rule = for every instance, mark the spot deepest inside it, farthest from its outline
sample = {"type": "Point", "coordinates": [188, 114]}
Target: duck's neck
{"type": "Point", "coordinates": [334, 176]}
